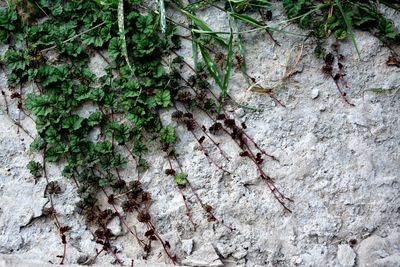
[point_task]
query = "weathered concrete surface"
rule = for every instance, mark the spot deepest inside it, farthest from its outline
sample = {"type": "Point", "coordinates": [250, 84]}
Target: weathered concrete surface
{"type": "Point", "coordinates": [15, 261]}
{"type": "Point", "coordinates": [340, 164]}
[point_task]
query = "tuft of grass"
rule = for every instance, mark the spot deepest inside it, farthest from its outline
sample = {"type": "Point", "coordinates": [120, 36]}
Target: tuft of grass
{"type": "Point", "coordinates": [349, 26]}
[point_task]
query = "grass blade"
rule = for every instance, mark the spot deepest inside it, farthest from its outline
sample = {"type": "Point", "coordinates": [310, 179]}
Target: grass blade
{"type": "Point", "coordinates": [163, 22]}
{"type": "Point", "coordinates": [211, 66]}
{"type": "Point", "coordinates": [227, 76]}
{"type": "Point", "coordinates": [195, 51]}
{"type": "Point", "coordinates": [252, 30]}
{"type": "Point", "coordinates": [392, 4]}
{"type": "Point", "coordinates": [243, 65]}
{"type": "Point", "coordinates": [121, 29]}
{"type": "Point", "coordinates": [204, 26]}
{"type": "Point", "coordinates": [247, 19]}
{"type": "Point", "coordinates": [349, 26]}
{"type": "Point", "coordinates": [198, 5]}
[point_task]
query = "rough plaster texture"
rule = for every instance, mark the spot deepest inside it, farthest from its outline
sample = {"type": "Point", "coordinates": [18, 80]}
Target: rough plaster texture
{"type": "Point", "coordinates": [340, 164]}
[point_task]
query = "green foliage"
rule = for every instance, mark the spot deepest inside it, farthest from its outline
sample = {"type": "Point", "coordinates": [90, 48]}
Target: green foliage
{"type": "Point", "coordinates": [340, 17]}
{"type": "Point", "coordinates": [105, 181]}
{"type": "Point", "coordinates": [104, 147]}
{"type": "Point", "coordinates": [180, 178]}
{"type": "Point", "coordinates": [167, 134]}
{"type": "Point", "coordinates": [95, 119]}
{"type": "Point", "coordinates": [40, 105]}
{"type": "Point", "coordinates": [10, 24]}
{"type": "Point", "coordinates": [126, 101]}
{"type": "Point", "coordinates": [143, 164]}
{"type": "Point", "coordinates": [72, 123]}
{"type": "Point", "coordinates": [163, 98]}
{"type": "Point", "coordinates": [35, 168]}
{"type": "Point", "coordinates": [55, 153]}
{"type": "Point", "coordinates": [120, 132]}
{"type": "Point", "coordinates": [17, 60]}
{"type": "Point", "coordinates": [115, 48]}
{"type": "Point", "coordinates": [37, 144]}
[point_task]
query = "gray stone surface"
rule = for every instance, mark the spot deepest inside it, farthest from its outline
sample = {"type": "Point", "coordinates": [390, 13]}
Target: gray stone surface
{"type": "Point", "coordinates": [339, 164]}
{"type": "Point", "coordinates": [346, 255]}
{"type": "Point", "coordinates": [204, 256]}
{"type": "Point", "coordinates": [15, 261]}
{"type": "Point", "coordinates": [380, 251]}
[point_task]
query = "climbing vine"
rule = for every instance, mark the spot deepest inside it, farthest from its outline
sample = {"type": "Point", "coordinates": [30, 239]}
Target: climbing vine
{"type": "Point", "coordinates": [50, 44]}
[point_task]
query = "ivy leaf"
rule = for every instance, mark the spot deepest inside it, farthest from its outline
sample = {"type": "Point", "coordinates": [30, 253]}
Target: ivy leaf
{"type": "Point", "coordinates": [67, 171]}
{"type": "Point", "coordinates": [131, 88]}
{"type": "Point", "coordinates": [119, 186]}
{"type": "Point", "coordinates": [95, 119]}
{"type": "Point", "coordinates": [119, 161]}
{"type": "Point", "coordinates": [151, 102]}
{"type": "Point", "coordinates": [37, 144]}
{"type": "Point", "coordinates": [95, 94]}
{"type": "Point", "coordinates": [104, 147]}
{"type": "Point", "coordinates": [109, 100]}
{"type": "Point", "coordinates": [41, 124]}
{"type": "Point", "coordinates": [51, 135]}
{"type": "Point", "coordinates": [120, 132]}
{"type": "Point", "coordinates": [96, 37]}
{"type": "Point", "coordinates": [139, 148]}
{"type": "Point", "coordinates": [386, 28]}
{"type": "Point", "coordinates": [50, 75]}
{"type": "Point", "coordinates": [72, 49]}
{"type": "Point", "coordinates": [53, 188]}
{"type": "Point", "coordinates": [136, 115]}
{"type": "Point", "coordinates": [54, 153]}
{"type": "Point", "coordinates": [40, 105]}
{"type": "Point", "coordinates": [168, 134]}
{"type": "Point", "coordinates": [17, 60]}
{"type": "Point", "coordinates": [105, 181]}
{"type": "Point", "coordinates": [115, 47]}
{"type": "Point", "coordinates": [341, 34]}
{"type": "Point", "coordinates": [8, 22]}
{"type": "Point", "coordinates": [180, 178]}
{"type": "Point", "coordinates": [35, 168]}
{"type": "Point", "coordinates": [143, 164]}
{"type": "Point", "coordinates": [293, 8]}
{"type": "Point", "coordinates": [73, 122]}
{"type": "Point", "coordinates": [91, 39]}
{"type": "Point", "coordinates": [163, 98]}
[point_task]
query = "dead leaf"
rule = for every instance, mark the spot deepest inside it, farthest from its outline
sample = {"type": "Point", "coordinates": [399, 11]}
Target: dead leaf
{"type": "Point", "coordinates": [393, 61]}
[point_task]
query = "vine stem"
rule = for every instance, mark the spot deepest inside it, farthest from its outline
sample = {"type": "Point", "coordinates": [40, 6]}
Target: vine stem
{"type": "Point", "coordinates": [5, 101]}
{"type": "Point", "coordinates": [54, 214]}
{"type": "Point", "coordinates": [199, 201]}
{"type": "Point", "coordinates": [73, 37]}
{"type": "Point", "coordinates": [135, 159]}
{"type": "Point", "coordinates": [188, 211]}
{"type": "Point", "coordinates": [215, 97]}
{"type": "Point", "coordinates": [21, 127]}
{"type": "Point", "coordinates": [93, 260]}
{"type": "Point", "coordinates": [134, 233]}
{"type": "Point", "coordinates": [277, 194]}
{"type": "Point", "coordinates": [163, 243]}
{"type": "Point", "coordinates": [342, 94]}
{"type": "Point", "coordinates": [209, 158]}
{"type": "Point", "coordinates": [274, 190]}
{"type": "Point", "coordinates": [341, 73]}
{"type": "Point", "coordinates": [209, 137]}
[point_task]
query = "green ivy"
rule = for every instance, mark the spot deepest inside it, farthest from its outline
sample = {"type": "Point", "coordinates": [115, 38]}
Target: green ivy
{"type": "Point", "coordinates": [180, 178]}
